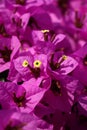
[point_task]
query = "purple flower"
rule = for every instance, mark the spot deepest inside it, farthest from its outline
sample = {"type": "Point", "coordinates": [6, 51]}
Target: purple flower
{"type": "Point", "coordinates": [81, 70]}
{"type": "Point", "coordinates": [62, 91]}
{"type": "Point", "coordinates": [20, 21]}
{"type": "Point", "coordinates": [62, 65]}
{"type": "Point", "coordinates": [17, 120]}
{"type": "Point", "coordinates": [43, 65]}
{"type": "Point", "coordinates": [26, 65]}
{"type": "Point", "coordinates": [25, 97]}
{"type": "Point", "coordinates": [8, 50]}
{"type": "Point", "coordinates": [26, 4]}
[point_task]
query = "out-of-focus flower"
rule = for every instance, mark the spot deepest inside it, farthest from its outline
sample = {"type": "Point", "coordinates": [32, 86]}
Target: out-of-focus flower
{"type": "Point", "coordinates": [8, 50]}
{"type": "Point", "coordinates": [17, 120]}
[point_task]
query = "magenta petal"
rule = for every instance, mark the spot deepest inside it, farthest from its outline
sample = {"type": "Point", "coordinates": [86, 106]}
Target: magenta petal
{"type": "Point", "coordinates": [68, 65]}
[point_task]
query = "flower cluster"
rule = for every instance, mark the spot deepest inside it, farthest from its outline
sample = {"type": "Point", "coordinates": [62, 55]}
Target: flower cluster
{"type": "Point", "coordinates": [43, 65]}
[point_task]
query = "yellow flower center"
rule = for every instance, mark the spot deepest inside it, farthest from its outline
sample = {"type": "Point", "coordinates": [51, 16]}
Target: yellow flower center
{"type": "Point", "coordinates": [44, 31]}
{"type": "Point", "coordinates": [64, 57]}
{"type": "Point", "coordinates": [25, 63]}
{"type": "Point", "coordinates": [37, 63]}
